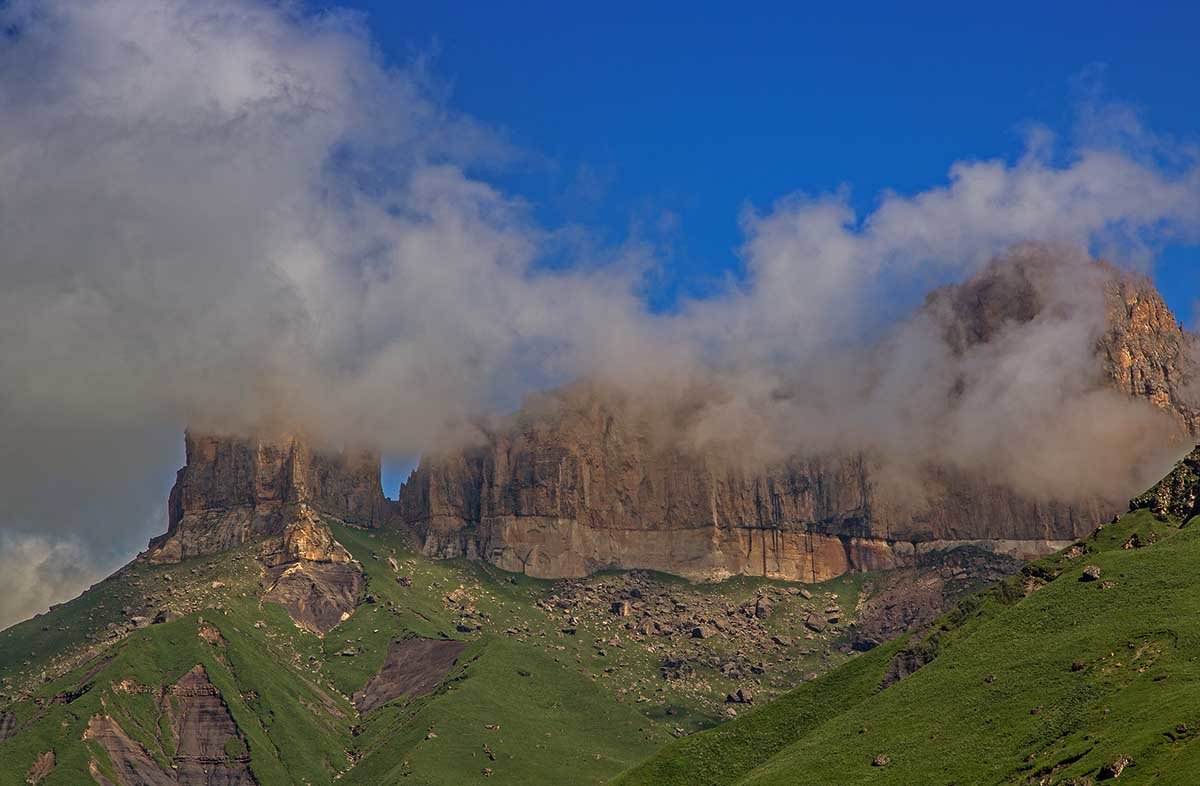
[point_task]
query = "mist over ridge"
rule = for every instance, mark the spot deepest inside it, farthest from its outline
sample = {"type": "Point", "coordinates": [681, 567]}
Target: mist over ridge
{"type": "Point", "coordinates": [232, 214]}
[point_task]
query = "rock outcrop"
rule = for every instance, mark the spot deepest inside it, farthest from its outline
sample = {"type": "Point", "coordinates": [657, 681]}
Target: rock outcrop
{"type": "Point", "coordinates": [236, 489]}
{"type": "Point", "coordinates": [310, 574]}
{"type": "Point", "coordinates": [42, 768]}
{"type": "Point", "coordinates": [577, 482]}
{"type": "Point", "coordinates": [581, 479]}
{"type": "Point", "coordinates": [280, 492]}
{"type": "Point", "coordinates": [1178, 494]}
{"type": "Point", "coordinates": [208, 747]}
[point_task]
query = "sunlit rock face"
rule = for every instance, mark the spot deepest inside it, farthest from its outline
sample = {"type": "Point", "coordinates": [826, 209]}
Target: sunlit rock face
{"type": "Point", "coordinates": [235, 489]}
{"type": "Point", "coordinates": [580, 492]}
{"type": "Point", "coordinates": [578, 481]}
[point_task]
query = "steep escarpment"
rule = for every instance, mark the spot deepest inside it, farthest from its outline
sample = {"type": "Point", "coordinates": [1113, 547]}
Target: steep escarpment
{"type": "Point", "coordinates": [235, 489]}
{"type": "Point", "coordinates": [592, 476]}
{"type": "Point", "coordinates": [580, 489]}
{"type": "Point", "coordinates": [582, 479]}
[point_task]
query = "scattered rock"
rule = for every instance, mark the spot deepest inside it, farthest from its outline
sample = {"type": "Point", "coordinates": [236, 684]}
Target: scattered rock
{"type": "Point", "coordinates": [1090, 573]}
{"type": "Point", "coordinates": [1134, 542]}
{"type": "Point", "coordinates": [814, 622]}
{"type": "Point", "coordinates": [881, 760]}
{"type": "Point", "coordinates": [1114, 768]}
{"type": "Point", "coordinates": [210, 634]}
{"type": "Point", "coordinates": [165, 615]}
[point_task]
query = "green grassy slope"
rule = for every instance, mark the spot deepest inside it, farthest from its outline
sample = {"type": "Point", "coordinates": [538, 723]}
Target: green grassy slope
{"type": "Point", "coordinates": [527, 701]}
{"type": "Point", "coordinates": [1043, 679]}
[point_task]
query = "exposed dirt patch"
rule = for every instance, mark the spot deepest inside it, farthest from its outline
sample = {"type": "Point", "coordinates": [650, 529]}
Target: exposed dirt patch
{"type": "Point", "coordinates": [896, 603]}
{"type": "Point", "coordinates": [42, 766]}
{"type": "Point", "coordinates": [413, 667]}
{"type": "Point", "coordinates": [317, 595]}
{"type": "Point", "coordinates": [910, 598]}
{"type": "Point", "coordinates": [909, 660]}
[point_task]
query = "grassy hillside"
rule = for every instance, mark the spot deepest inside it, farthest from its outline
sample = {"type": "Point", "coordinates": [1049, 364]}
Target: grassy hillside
{"type": "Point", "coordinates": [1048, 678]}
{"type": "Point", "coordinates": [553, 687]}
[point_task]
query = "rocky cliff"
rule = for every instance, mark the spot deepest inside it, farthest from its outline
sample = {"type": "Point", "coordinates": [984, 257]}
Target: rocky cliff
{"type": "Point", "coordinates": [582, 478]}
{"type": "Point", "coordinates": [578, 482]}
{"type": "Point", "coordinates": [236, 489]}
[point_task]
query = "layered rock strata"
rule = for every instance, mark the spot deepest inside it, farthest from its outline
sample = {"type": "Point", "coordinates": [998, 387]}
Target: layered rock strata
{"type": "Point", "coordinates": [208, 747]}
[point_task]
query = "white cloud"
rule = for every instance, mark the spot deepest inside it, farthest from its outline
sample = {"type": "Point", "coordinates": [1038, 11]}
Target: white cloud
{"type": "Point", "coordinates": [35, 570]}
{"type": "Point", "coordinates": [228, 211]}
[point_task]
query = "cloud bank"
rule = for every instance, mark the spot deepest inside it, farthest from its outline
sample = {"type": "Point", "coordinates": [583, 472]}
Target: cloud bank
{"type": "Point", "coordinates": [233, 212]}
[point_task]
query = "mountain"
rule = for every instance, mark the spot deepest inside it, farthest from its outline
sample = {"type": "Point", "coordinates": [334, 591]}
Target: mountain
{"type": "Point", "coordinates": [1079, 669]}
{"type": "Point", "coordinates": [581, 480]}
{"type": "Point", "coordinates": [414, 670]}
{"type": "Point", "coordinates": [503, 618]}
{"type": "Point", "coordinates": [233, 489]}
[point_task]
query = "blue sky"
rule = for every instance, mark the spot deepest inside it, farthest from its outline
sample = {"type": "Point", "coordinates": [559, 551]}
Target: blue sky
{"type": "Point", "coordinates": [663, 121]}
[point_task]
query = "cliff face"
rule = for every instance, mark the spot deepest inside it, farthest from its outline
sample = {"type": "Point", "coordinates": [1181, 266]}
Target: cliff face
{"type": "Point", "coordinates": [577, 481]}
{"type": "Point", "coordinates": [582, 479]}
{"type": "Point", "coordinates": [1146, 354]}
{"type": "Point", "coordinates": [234, 489]}
{"type": "Point", "coordinates": [580, 489]}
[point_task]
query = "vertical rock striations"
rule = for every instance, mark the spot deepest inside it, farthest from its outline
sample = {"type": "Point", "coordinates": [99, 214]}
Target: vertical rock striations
{"type": "Point", "coordinates": [582, 479]}
{"type": "Point", "coordinates": [579, 488]}
{"type": "Point", "coordinates": [577, 481]}
{"type": "Point", "coordinates": [236, 489]}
